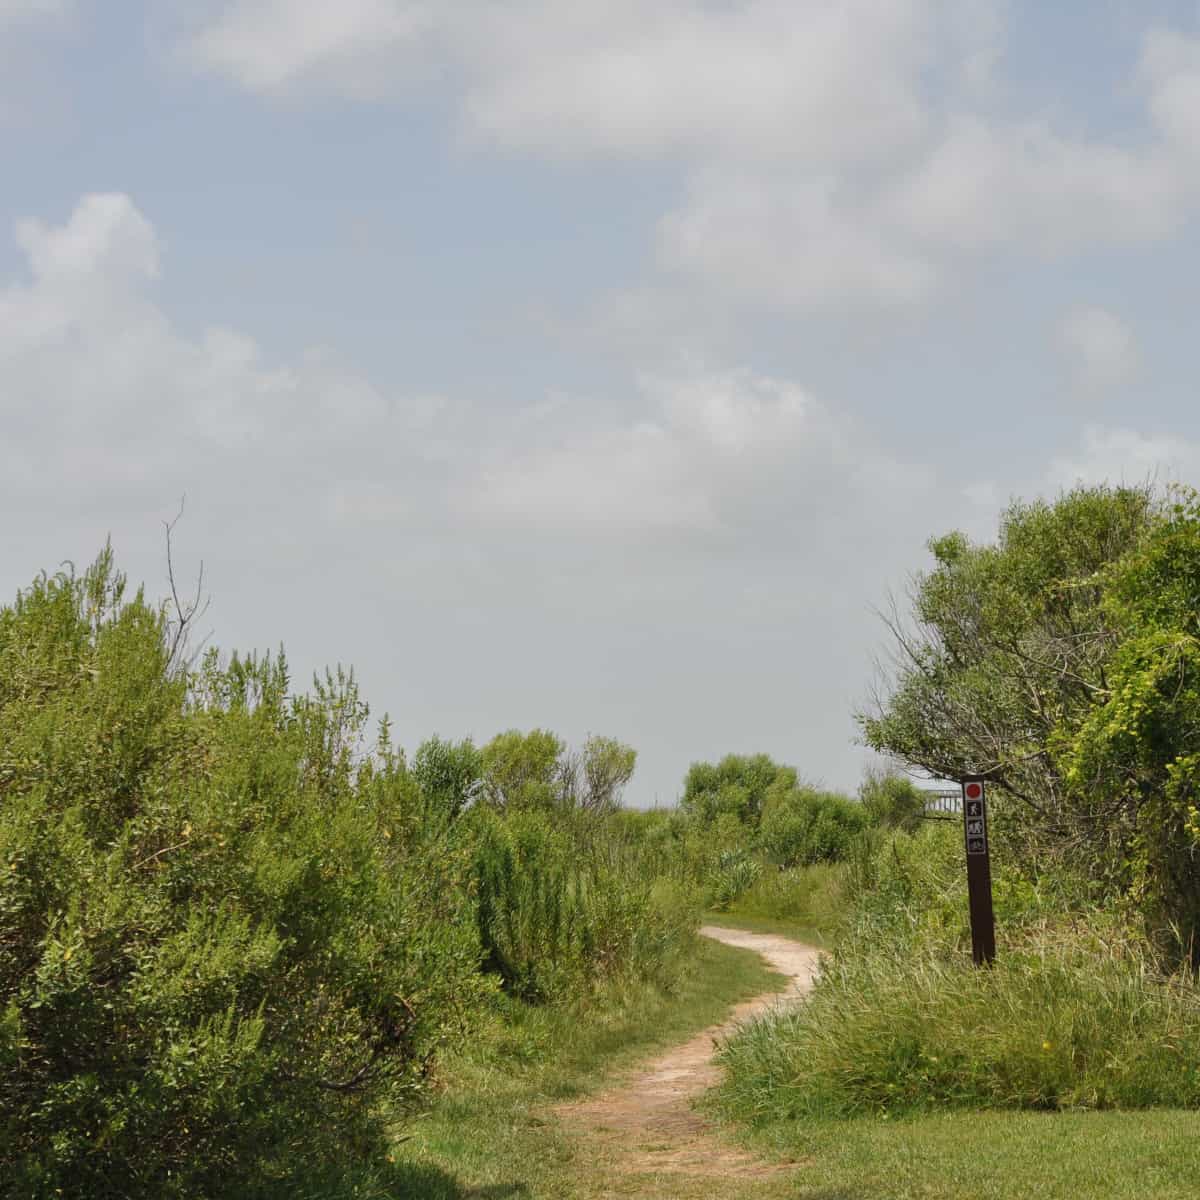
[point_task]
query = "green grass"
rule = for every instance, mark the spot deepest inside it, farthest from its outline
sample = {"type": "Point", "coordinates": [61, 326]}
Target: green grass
{"type": "Point", "coordinates": [1152, 1155]}
{"type": "Point", "coordinates": [910, 1031]}
{"type": "Point", "coordinates": [491, 1134]}
{"type": "Point", "coordinates": [807, 903]}
{"type": "Point", "coordinates": [758, 923]}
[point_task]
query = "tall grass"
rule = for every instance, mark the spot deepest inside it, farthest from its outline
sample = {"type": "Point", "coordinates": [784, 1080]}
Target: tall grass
{"type": "Point", "coordinates": [1076, 1013]}
{"type": "Point", "coordinates": [565, 905]}
{"type": "Point", "coordinates": [1052, 1025]}
{"type": "Point", "coordinates": [811, 897]}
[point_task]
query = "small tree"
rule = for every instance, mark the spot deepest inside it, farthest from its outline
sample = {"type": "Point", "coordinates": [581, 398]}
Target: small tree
{"type": "Point", "coordinates": [523, 770]}
{"type": "Point", "coordinates": [1133, 762]}
{"type": "Point", "coordinates": [739, 784]}
{"type": "Point", "coordinates": [804, 826]}
{"type": "Point", "coordinates": [1009, 644]}
{"type": "Point", "coordinates": [448, 773]}
{"type": "Point", "coordinates": [1063, 662]}
{"type": "Point", "coordinates": [606, 767]}
{"type": "Point", "coordinates": [891, 800]}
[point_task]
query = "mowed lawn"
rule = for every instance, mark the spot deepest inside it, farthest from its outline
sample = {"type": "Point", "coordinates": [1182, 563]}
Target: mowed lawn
{"type": "Point", "coordinates": [1152, 1155]}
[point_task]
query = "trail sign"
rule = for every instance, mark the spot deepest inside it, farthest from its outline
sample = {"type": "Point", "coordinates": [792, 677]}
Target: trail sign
{"type": "Point", "coordinates": [979, 871]}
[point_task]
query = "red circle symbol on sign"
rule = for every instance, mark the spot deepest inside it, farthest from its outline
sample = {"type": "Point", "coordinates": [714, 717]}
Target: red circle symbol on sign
{"type": "Point", "coordinates": [974, 791]}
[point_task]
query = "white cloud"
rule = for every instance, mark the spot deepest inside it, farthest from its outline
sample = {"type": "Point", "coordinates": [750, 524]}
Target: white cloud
{"type": "Point", "coordinates": [1119, 455]}
{"type": "Point", "coordinates": [99, 390]}
{"type": "Point", "coordinates": [787, 240]}
{"type": "Point", "coordinates": [743, 80]}
{"type": "Point", "coordinates": [612, 76]}
{"type": "Point", "coordinates": [103, 396]}
{"type": "Point", "coordinates": [834, 154]}
{"type": "Point", "coordinates": [31, 90]}
{"type": "Point", "coordinates": [105, 237]}
{"type": "Point", "coordinates": [359, 47]}
{"type": "Point", "coordinates": [1169, 70]}
{"type": "Point", "coordinates": [798, 237]}
{"type": "Point", "coordinates": [724, 454]}
{"type": "Point", "coordinates": [1100, 349]}
{"type": "Point", "coordinates": [14, 13]}
{"type": "Point", "coordinates": [615, 482]}
{"type": "Point", "coordinates": [986, 185]}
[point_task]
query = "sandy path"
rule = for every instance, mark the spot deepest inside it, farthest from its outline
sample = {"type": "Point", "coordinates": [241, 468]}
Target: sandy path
{"type": "Point", "coordinates": [646, 1137]}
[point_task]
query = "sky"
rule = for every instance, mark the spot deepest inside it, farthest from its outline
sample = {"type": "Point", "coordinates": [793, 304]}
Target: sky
{"type": "Point", "coordinates": [598, 365]}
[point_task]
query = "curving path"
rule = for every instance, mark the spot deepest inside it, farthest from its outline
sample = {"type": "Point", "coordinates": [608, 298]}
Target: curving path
{"type": "Point", "coordinates": [646, 1137]}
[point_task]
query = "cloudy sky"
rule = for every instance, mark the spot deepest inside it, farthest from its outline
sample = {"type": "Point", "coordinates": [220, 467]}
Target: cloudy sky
{"type": "Point", "coordinates": [594, 364]}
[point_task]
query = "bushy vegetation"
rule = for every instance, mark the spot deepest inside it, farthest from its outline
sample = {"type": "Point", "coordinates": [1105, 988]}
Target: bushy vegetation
{"type": "Point", "coordinates": [560, 911]}
{"type": "Point", "coordinates": [807, 901]}
{"type": "Point", "coordinates": [803, 826]}
{"type": "Point", "coordinates": [223, 936]}
{"type": "Point", "coordinates": [1059, 663]}
{"type": "Point", "coordinates": [892, 800]}
{"type": "Point", "coordinates": [234, 934]}
{"type": "Point", "coordinates": [1072, 1015]}
{"type": "Point", "coordinates": [239, 929]}
{"type": "Point", "coordinates": [746, 819]}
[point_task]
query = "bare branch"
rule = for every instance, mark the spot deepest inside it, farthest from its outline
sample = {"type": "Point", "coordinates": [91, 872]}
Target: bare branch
{"type": "Point", "coordinates": [179, 626]}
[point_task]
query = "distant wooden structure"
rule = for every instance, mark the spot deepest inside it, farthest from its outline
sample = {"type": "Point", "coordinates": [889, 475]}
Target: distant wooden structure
{"type": "Point", "coordinates": [943, 801]}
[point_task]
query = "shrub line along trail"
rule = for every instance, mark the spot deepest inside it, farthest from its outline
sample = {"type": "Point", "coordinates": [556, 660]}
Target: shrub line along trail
{"type": "Point", "coordinates": [644, 1133]}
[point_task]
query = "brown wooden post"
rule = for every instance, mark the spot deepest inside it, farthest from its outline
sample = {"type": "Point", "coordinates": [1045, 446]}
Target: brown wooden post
{"type": "Point", "coordinates": [979, 871]}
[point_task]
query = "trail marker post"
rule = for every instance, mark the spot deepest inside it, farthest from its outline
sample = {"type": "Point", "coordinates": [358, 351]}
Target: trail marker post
{"type": "Point", "coordinates": [979, 871]}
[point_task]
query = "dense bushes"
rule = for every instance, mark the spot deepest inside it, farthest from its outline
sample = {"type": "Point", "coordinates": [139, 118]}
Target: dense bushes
{"type": "Point", "coordinates": [803, 826]}
{"type": "Point", "coordinates": [1082, 1008]}
{"type": "Point", "coordinates": [810, 899]}
{"type": "Point", "coordinates": [736, 787]}
{"type": "Point", "coordinates": [536, 770]}
{"type": "Point", "coordinates": [561, 911]}
{"type": "Point", "coordinates": [733, 874]}
{"type": "Point", "coordinates": [746, 818]}
{"type": "Point", "coordinates": [233, 936]}
{"type": "Point", "coordinates": [1063, 661]}
{"type": "Point", "coordinates": [224, 937]}
{"type": "Point", "coordinates": [891, 800]}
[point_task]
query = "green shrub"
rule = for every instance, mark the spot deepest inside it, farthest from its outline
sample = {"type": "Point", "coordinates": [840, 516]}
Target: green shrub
{"type": "Point", "coordinates": [1064, 659]}
{"type": "Point", "coordinates": [737, 786]}
{"type": "Point", "coordinates": [449, 774]}
{"type": "Point", "coordinates": [734, 874]}
{"type": "Point", "coordinates": [523, 770]}
{"type": "Point", "coordinates": [892, 800]}
{"type": "Point", "coordinates": [802, 826]}
{"type": "Point", "coordinates": [229, 942]}
{"type": "Point", "coordinates": [528, 905]}
{"type": "Point", "coordinates": [566, 904]}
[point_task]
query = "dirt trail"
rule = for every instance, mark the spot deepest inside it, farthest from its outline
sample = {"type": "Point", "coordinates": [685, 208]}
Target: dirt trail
{"type": "Point", "coordinates": [644, 1133]}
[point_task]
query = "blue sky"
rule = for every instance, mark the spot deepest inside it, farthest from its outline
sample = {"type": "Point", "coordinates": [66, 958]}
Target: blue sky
{"type": "Point", "coordinates": [600, 364]}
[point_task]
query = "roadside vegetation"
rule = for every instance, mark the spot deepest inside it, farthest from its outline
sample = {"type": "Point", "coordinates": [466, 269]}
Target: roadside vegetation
{"type": "Point", "coordinates": [243, 934]}
{"type": "Point", "coordinates": [1060, 662]}
{"type": "Point", "coordinates": [490, 1126]}
{"type": "Point", "coordinates": [239, 930]}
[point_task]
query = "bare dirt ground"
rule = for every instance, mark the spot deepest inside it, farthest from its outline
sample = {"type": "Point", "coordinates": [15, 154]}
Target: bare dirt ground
{"type": "Point", "coordinates": [643, 1135]}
